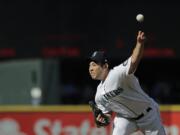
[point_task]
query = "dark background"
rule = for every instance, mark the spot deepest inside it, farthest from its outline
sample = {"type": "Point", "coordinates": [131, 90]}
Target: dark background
{"type": "Point", "coordinates": [70, 31]}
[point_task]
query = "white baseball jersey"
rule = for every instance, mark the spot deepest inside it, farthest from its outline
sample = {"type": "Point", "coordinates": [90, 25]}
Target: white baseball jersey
{"type": "Point", "coordinates": [122, 93]}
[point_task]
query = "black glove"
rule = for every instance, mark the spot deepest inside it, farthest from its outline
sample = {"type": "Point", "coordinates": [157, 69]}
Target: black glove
{"type": "Point", "coordinates": [96, 111]}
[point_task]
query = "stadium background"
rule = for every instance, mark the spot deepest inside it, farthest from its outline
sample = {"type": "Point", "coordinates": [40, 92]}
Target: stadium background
{"type": "Point", "coordinates": [44, 45]}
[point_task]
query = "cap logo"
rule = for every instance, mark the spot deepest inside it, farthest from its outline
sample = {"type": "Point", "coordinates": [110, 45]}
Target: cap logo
{"type": "Point", "coordinates": [94, 54]}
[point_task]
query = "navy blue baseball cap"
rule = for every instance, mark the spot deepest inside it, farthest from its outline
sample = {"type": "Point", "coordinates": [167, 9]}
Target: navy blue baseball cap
{"type": "Point", "coordinates": [99, 57]}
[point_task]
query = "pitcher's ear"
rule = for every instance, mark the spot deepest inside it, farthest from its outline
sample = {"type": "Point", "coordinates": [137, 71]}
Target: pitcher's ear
{"type": "Point", "coordinates": [106, 65]}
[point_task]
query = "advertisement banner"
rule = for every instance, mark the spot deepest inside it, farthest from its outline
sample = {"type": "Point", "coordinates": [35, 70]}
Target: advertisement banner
{"type": "Point", "coordinates": [59, 122]}
{"type": "Point", "coordinates": [49, 123]}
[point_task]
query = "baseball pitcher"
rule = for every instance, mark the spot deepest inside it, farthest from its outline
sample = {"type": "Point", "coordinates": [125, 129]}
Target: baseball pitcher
{"type": "Point", "coordinates": [119, 91]}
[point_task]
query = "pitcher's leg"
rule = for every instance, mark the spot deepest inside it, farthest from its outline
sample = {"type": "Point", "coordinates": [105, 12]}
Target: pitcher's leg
{"type": "Point", "coordinates": [123, 126]}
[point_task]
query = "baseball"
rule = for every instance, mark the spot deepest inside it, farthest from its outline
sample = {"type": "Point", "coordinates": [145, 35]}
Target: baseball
{"type": "Point", "coordinates": [140, 17]}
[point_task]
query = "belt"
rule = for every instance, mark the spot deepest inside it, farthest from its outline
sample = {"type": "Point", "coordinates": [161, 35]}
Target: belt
{"type": "Point", "coordinates": [142, 114]}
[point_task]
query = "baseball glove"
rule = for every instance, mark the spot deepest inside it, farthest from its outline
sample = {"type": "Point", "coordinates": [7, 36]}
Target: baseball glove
{"type": "Point", "coordinates": [96, 111]}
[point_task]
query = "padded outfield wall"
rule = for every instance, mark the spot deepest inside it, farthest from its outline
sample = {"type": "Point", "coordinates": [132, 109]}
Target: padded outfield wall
{"type": "Point", "coordinates": [67, 120]}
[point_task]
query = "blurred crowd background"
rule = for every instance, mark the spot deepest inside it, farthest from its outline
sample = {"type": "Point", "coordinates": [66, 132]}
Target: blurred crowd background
{"type": "Point", "coordinates": [44, 46]}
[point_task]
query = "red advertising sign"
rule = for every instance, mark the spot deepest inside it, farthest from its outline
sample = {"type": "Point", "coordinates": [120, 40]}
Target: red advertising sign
{"type": "Point", "coordinates": [50, 123]}
{"type": "Point", "coordinates": [66, 123]}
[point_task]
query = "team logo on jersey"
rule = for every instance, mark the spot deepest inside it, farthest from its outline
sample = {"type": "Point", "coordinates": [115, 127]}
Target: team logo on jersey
{"type": "Point", "coordinates": [113, 93]}
{"type": "Point", "coordinates": [125, 63]}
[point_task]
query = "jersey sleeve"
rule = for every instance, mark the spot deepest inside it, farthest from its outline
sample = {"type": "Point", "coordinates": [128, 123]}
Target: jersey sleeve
{"type": "Point", "coordinates": [124, 67]}
{"type": "Point", "coordinates": [103, 108]}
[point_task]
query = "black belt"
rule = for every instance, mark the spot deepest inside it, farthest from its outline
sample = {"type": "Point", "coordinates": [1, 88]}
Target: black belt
{"type": "Point", "coordinates": [142, 114]}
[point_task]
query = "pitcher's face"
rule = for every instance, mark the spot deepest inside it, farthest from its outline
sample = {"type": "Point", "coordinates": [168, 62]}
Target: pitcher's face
{"type": "Point", "coordinates": [95, 70]}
